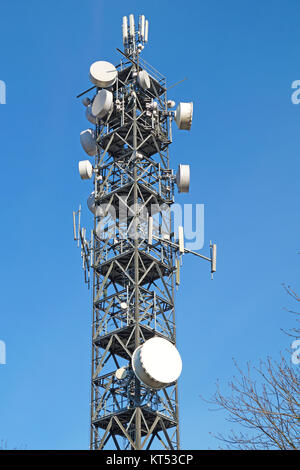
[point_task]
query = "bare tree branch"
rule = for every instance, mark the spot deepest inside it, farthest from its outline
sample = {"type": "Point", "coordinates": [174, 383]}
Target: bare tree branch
{"type": "Point", "coordinates": [265, 401]}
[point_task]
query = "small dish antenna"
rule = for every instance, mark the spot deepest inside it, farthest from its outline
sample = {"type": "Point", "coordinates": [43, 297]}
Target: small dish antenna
{"type": "Point", "coordinates": [89, 115]}
{"type": "Point", "coordinates": [100, 212]}
{"type": "Point", "coordinates": [143, 80]}
{"type": "Point", "coordinates": [183, 178]}
{"type": "Point", "coordinates": [121, 373]}
{"type": "Point", "coordinates": [85, 169]}
{"type": "Point", "coordinates": [156, 363]}
{"type": "Point", "coordinates": [171, 104]}
{"type": "Point", "coordinates": [91, 202]}
{"type": "Point", "coordinates": [88, 142]}
{"type": "Point", "coordinates": [184, 115]}
{"type": "Point", "coordinates": [86, 101]}
{"type": "Point", "coordinates": [103, 74]}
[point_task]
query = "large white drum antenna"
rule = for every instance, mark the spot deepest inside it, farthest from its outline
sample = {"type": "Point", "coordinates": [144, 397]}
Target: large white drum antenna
{"type": "Point", "coordinates": [184, 115]}
{"type": "Point", "coordinates": [85, 169]}
{"type": "Point", "coordinates": [103, 74]}
{"type": "Point", "coordinates": [156, 363]}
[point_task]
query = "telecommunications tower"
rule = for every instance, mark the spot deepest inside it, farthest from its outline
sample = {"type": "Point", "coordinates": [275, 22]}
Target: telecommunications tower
{"type": "Point", "coordinates": [133, 255]}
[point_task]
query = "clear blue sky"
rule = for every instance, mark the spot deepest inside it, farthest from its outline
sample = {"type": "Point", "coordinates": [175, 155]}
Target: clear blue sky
{"type": "Point", "coordinates": [240, 59]}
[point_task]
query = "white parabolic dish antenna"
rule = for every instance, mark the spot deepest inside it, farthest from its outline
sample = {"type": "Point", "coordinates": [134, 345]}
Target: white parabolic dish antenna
{"type": "Point", "coordinates": [91, 202]}
{"type": "Point", "coordinates": [156, 363]}
{"type": "Point", "coordinates": [85, 170]}
{"type": "Point", "coordinates": [88, 142]}
{"type": "Point", "coordinates": [183, 178]}
{"type": "Point", "coordinates": [91, 205]}
{"type": "Point", "coordinates": [144, 80]}
{"type": "Point", "coordinates": [102, 104]}
{"type": "Point", "coordinates": [103, 74]}
{"type": "Point", "coordinates": [184, 115]}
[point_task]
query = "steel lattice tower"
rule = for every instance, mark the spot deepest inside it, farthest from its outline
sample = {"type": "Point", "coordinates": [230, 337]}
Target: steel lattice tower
{"type": "Point", "coordinates": [134, 278]}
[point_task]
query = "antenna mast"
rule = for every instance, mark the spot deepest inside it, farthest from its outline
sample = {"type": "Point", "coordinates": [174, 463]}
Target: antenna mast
{"type": "Point", "coordinates": [133, 254]}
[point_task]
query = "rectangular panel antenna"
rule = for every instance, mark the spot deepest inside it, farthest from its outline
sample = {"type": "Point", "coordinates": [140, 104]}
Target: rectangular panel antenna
{"type": "Point", "coordinates": [131, 26]}
{"type": "Point", "coordinates": [125, 30]}
{"type": "Point", "coordinates": [150, 230]}
{"type": "Point", "coordinates": [181, 239]}
{"type": "Point", "coordinates": [213, 258]}
{"type": "Point", "coordinates": [146, 30]}
{"type": "Point", "coordinates": [142, 27]}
